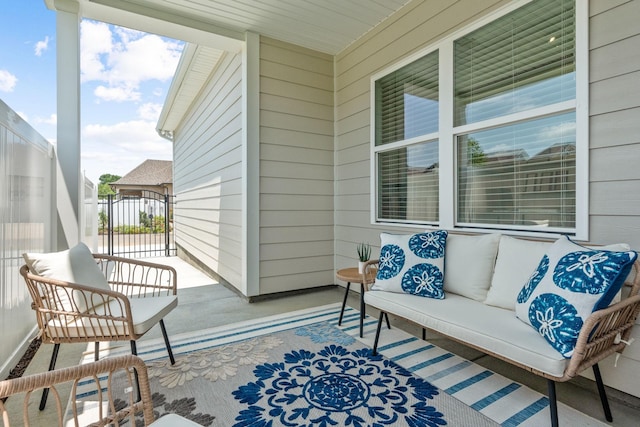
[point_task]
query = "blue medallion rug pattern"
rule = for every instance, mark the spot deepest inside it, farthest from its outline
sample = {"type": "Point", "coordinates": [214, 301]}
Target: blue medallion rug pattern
{"type": "Point", "coordinates": [336, 386]}
{"type": "Point", "coordinates": [300, 369]}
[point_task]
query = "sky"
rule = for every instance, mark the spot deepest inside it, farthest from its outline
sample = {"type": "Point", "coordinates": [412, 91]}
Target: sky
{"type": "Point", "coordinates": [125, 77]}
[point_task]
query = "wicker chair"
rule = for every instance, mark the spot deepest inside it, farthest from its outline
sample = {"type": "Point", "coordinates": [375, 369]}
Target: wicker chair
{"type": "Point", "coordinates": [119, 403]}
{"type": "Point", "coordinates": [140, 295]}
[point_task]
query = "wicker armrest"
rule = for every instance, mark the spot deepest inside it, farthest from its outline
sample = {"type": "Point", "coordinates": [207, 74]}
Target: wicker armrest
{"type": "Point", "coordinates": [69, 312]}
{"type": "Point", "coordinates": [603, 334]}
{"type": "Point", "coordinates": [106, 390]}
{"type": "Point", "coordinates": [136, 278]}
{"type": "Point", "coordinates": [370, 271]}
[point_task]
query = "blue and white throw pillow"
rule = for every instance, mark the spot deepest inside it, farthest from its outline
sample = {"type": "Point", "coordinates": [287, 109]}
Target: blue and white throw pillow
{"type": "Point", "coordinates": [570, 283]}
{"type": "Point", "coordinates": [412, 264]}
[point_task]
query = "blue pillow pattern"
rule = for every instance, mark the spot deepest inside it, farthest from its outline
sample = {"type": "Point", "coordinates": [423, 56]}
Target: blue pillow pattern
{"type": "Point", "coordinates": [412, 264]}
{"type": "Point", "coordinates": [569, 284]}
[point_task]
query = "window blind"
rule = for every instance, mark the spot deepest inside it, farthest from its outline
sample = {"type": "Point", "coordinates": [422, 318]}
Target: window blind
{"type": "Point", "coordinates": [408, 183]}
{"type": "Point", "coordinates": [523, 60]}
{"type": "Point", "coordinates": [407, 101]}
{"type": "Point", "coordinates": [522, 174]}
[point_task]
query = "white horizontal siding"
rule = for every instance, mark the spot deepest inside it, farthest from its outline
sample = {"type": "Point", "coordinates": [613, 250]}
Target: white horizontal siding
{"type": "Point", "coordinates": [208, 174]}
{"type": "Point", "coordinates": [615, 147]}
{"type": "Point", "coordinates": [614, 125]}
{"type": "Point", "coordinates": [296, 167]}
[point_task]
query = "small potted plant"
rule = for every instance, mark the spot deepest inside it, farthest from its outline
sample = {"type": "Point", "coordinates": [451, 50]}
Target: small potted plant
{"type": "Point", "coordinates": [364, 252]}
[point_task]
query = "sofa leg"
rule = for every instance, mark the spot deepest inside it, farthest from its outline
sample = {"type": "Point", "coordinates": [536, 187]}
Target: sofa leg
{"type": "Point", "coordinates": [603, 393]}
{"type": "Point", "coordinates": [553, 402]}
{"type": "Point", "coordinates": [375, 341]}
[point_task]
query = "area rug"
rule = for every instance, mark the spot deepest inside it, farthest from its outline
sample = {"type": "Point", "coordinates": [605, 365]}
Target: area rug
{"type": "Point", "coordinates": [300, 368]}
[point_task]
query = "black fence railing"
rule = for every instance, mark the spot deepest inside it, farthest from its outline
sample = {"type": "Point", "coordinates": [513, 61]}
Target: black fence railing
{"type": "Point", "coordinates": [136, 224]}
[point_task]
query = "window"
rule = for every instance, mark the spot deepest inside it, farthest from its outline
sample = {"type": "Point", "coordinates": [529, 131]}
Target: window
{"type": "Point", "coordinates": [501, 145]}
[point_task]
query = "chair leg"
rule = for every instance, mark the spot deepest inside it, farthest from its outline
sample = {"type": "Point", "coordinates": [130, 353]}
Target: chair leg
{"type": "Point", "coordinates": [424, 334]}
{"type": "Point", "coordinates": [602, 392]}
{"type": "Point", "coordinates": [362, 309]}
{"type": "Point", "coordinates": [375, 341]}
{"type": "Point", "coordinates": [134, 351]}
{"type": "Point", "coordinates": [553, 402]}
{"type": "Point", "coordinates": [166, 342]}
{"type": "Point", "coordinates": [52, 365]}
{"type": "Point", "coordinates": [344, 303]}
{"type": "Point", "coordinates": [96, 352]}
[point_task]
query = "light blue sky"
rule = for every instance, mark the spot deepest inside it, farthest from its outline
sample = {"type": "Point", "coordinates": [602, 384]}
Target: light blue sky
{"type": "Point", "coordinates": [125, 78]}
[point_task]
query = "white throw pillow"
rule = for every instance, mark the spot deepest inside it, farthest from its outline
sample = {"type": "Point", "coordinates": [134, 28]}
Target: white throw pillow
{"type": "Point", "coordinates": [469, 264]}
{"type": "Point", "coordinates": [516, 259]}
{"type": "Point", "coordinates": [570, 282]}
{"type": "Point", "coordinates": [412, 264]}
{"type": "Point", "coordinates": [75, 265]}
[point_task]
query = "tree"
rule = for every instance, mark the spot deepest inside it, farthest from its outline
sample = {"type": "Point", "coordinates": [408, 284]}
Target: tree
{"type": "Point", "coordinates": [104, 189]}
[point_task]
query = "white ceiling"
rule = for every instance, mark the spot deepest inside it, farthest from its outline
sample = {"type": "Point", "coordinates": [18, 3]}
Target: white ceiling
{"type": "Point", "coordinates": [325, 25]}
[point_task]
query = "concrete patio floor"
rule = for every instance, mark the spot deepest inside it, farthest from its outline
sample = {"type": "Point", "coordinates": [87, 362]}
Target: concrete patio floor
{"type": "Point", "coordinates": [204, 303]}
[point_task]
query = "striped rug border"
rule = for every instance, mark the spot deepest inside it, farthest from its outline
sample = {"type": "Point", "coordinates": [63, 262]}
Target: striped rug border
{"type": "Point", "coordinates": [499, 398]}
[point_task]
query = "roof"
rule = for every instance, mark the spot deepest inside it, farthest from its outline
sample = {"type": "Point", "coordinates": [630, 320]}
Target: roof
{"type": "Point", "coordinates": [149, 172]}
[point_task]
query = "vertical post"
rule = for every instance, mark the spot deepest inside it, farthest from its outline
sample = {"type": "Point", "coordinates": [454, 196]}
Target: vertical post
{"type": "Point", "coordinates": [110, 224]}
{"type": "Point", "coordinates": [68, 127]}
{"type": "Point", "coordinates": [166, 225]}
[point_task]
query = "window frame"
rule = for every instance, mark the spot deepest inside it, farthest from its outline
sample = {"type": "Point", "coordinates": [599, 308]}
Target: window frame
{"type": "Point", "coordinates": [447, 133]}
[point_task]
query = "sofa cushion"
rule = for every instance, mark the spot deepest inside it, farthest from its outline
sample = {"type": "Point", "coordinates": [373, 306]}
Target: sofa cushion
{"type": "Point", "coordinates": [75, 265]}
{"type": "Point", "coordinates": [570, 282]}
{"type": "Point", "coordinates": [469, 263]}
{"type": "Point", "coordinates": [492, 329]}
{"type": "Point", "coordinates": [412, 263]}
{"type": "Point", "coordinates": [516, 260]}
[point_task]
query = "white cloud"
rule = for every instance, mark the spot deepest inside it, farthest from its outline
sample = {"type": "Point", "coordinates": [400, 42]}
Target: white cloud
{"type": "Point", "coordinates": [119, 148]}
{"type": "Point", "coordinates": [51, 120]}
{"type": "Point", "coordinates": [122, 59]}
{"type": "Point", "coordinates": [41, 46]}
{"type": "Point", "coordinates": [150, 111]}
{"type": "Point", "coordinates": [7, 81]}
{"type": "Point", "coordinates": [118, 94]}
{"type": "Point", "coordinates": [96, 42]}
{"type": "Point", "coordinates": [562, 130]}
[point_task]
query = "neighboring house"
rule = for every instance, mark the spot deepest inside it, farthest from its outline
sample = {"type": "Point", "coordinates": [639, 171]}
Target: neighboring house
{"type": "Point", "coordinates": [150, 175]}
{"type": "Point", "coordinates": [284, 127]}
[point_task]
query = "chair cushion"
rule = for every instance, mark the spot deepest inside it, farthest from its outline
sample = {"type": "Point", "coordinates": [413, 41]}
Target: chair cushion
{"type": "Point", "coordinates": [146, 312]}
{"type": "Point", "coordinates": [469, 263]}
{"type": "Point", "coordinates": [75, 265]}
{"type": "Point", "coordinates": [412, 264]}
{"type": "Point", "coordinates": [570, 282]}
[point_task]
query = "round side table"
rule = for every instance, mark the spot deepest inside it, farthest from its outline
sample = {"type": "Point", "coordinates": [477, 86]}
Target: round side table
{"type": "Point", "coordinates": [351, 275]}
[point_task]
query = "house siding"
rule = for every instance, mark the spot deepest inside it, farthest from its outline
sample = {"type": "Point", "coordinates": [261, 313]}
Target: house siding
{"type": "Point", "coordinates": [208, 174]}
{"type": "Point", "coordinates": [614, 133]}
{"type": "Point", "coordinates": [614, 129]}
{"type": "Point", "coordinates": [296, 167]}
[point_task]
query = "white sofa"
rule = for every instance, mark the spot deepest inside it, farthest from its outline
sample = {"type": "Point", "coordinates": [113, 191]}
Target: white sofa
{"type": "Point", "coordinates": [482, 278]}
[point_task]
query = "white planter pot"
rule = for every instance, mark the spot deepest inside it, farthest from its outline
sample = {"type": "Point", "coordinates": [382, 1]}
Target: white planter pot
{"type": "Point", "coordinates": [361, 266]}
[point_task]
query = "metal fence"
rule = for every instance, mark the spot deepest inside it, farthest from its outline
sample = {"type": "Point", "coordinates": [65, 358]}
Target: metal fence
{"type": "Point", "coordinates": [136, 226]}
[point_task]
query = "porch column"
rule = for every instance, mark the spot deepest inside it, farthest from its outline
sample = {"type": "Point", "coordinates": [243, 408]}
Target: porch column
{"type": "Point", "coordinates": [68, 109]}
{"type": "Point", "coordinates": [251, 165]}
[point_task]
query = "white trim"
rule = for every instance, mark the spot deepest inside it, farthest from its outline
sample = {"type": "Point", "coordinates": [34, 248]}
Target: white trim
{"type": "Point", "coordinates": [582, 120]}
{"type": "Point", "coordinates": [446, 149]}
{"type": "Point", "coordinates": [446, 130]}
{"type": "Point", "coordinates": [251, 165]}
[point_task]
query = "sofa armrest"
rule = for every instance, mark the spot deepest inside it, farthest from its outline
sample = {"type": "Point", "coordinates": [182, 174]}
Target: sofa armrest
{"type": "Point", "coordinates": [603, 334]}
{"type": "Point", "coordinates": [370, 271]}
{"type": "Point", "coordinates": [135, 278]}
